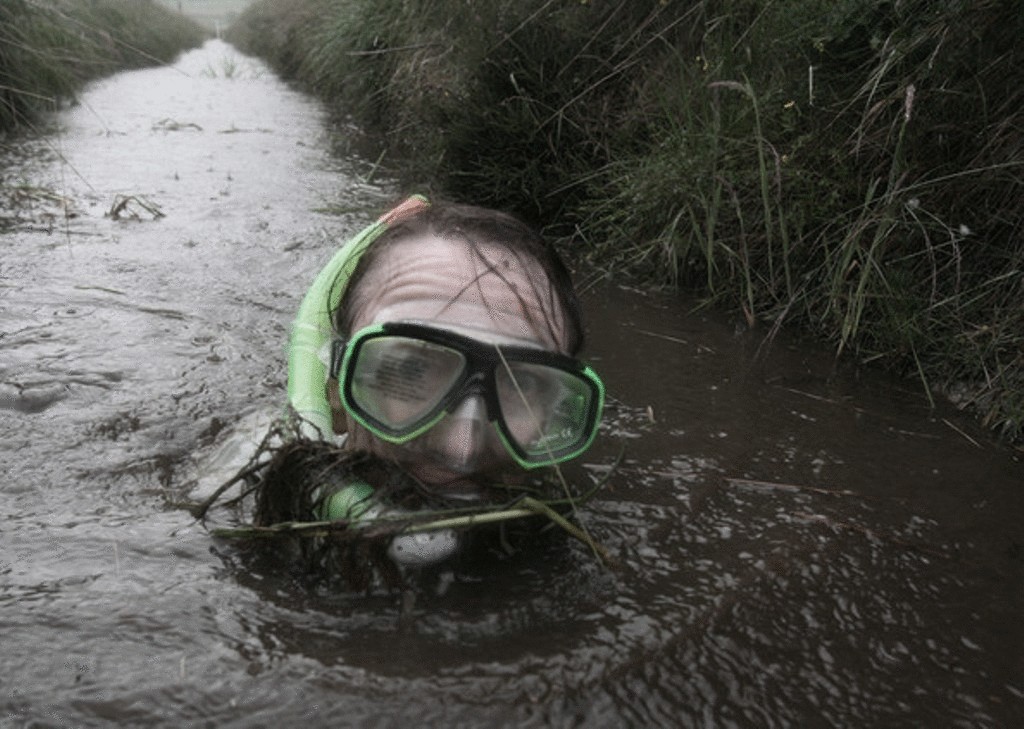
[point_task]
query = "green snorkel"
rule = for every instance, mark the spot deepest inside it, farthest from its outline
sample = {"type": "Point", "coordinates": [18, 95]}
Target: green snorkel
{"type": "Point", "coordinates": [307, 377]}
{"type": "Point", "coordinates": [306, 392]}
{"type": "Point", "coordinates": [312, 329]}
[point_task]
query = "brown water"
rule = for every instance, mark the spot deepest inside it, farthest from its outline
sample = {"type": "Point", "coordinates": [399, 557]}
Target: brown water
{"type": "Point", "coordinates": [797, 544]}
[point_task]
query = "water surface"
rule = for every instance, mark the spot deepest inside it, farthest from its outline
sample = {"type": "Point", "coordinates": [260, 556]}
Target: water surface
{"type": "Point", "coordinates": [796, 542]}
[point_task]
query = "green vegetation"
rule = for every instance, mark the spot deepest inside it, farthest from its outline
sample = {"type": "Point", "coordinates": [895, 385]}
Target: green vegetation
{"type": "Point", "coordinates": [851, 167]}
{"type": "Point", "coordinates": [48, 48]}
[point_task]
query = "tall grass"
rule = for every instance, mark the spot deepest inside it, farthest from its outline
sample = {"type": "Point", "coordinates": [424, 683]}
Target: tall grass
{"type": "Point", "coordinates": [48, 48]}
{"type": "Point", "coordinates": [851, 167]}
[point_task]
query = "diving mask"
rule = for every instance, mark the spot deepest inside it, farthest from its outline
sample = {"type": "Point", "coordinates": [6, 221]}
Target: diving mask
{"type": "Point", "coordinates": [400, 379]}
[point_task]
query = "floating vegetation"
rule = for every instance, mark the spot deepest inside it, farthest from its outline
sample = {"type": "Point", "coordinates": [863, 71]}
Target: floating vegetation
{"type": "Point", "coordinates": [34, 207]}
{"type": "Point", "coordinates": [231, 67]}
{"type": "Point", "coordinates": [289, 481]}
{"type": "Point", "coordinates": [171, 125]}
{"type": "Point", "coordinates": [32, 197]}
{"type": "Point", "coordinates": [238, 130]}
{"type": "Point", "coordinates": [133, 207]}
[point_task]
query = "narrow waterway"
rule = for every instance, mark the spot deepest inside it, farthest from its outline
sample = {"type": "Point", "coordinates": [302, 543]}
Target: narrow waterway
{"type": "Point", "coordinates": [796, 543]}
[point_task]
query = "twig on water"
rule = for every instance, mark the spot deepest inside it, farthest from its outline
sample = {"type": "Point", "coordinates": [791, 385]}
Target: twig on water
{"type": "Point", "coordinates": [542, 509]}
{"type": "Point", "coordinates": [122, 207]}
{"type": "Point", "coordinates": [658, 335]}
{"type": "Point", "coordinates": [409, 523]}
{"type": "Point", "coordinates": [972, 441]}
{"type": "Point", "coordinates": [770, 485]}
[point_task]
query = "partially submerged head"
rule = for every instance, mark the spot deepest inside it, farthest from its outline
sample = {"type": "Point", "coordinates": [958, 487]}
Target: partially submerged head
{"type": "Point", "coordinates": [466, 265]}
{"type": "Point", "coordinates": [454, 313]}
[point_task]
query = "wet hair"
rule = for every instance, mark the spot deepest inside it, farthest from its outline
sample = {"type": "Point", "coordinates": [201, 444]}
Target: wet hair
{"type": "Point", "coordinates": [479, 226]}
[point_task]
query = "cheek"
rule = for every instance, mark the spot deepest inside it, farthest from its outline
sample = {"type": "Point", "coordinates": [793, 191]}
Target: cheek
{"type": "Point", "coordinates": [360, 439]}
{"type": "Point", "coordinates": [338, 417]}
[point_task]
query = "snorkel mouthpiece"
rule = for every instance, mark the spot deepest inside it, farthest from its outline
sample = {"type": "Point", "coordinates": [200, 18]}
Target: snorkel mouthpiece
{"type": "Point", "coordinates": [356, 503]}
{"type": "Point", "coordinates": [424, 549]}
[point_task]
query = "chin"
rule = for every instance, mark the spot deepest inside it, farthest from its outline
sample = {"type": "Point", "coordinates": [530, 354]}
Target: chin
{"type": "Point", "coordinates": [449, 482]}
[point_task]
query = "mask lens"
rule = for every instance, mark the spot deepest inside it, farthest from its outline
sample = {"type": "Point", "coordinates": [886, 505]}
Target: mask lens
{"type": "Point", "coordinates": [399, 382]}
{"type": "Point", "coordinates": [546, 409]}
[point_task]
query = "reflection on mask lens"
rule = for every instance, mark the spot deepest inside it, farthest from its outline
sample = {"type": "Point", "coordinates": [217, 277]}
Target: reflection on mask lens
{"type": "Point", "coordinates": [545, 408]}
{"type": "Point", "coordinates": [398, 380]}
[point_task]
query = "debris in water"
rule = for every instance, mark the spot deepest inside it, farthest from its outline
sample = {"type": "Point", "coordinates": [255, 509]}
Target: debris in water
{"type": "Point", "coordinates": [170, 125]}
{"type": "Point", "coordinates": [133, 207]}
{"type": "Point", "coordinates": [294, 483]}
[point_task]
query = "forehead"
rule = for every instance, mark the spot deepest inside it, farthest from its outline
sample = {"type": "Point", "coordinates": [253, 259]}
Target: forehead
{"type": "Point", "coordinates": [451, 281]}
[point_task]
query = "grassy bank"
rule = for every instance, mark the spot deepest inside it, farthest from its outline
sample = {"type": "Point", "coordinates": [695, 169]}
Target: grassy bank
{"type": "Point", "coordinates": [852, 168]}
{"type": "Point", "coordinates": [49, 48]}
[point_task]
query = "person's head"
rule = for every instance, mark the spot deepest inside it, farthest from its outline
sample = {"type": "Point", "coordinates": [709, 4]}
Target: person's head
{"type": "Point", "coordinates": [472, 307]}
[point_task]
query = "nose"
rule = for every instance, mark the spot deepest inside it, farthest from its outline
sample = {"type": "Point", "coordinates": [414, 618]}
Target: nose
{"type": "Point", "coordinates": [460, 439]}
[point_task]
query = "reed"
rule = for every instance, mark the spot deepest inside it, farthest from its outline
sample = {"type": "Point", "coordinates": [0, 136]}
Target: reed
{"type": "Point", "coordinates": [853, 169]}
{"type": "Point", "coordinates": [49, 48]}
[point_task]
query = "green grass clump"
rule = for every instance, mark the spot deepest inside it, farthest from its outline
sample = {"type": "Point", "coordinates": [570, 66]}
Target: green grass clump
{"type": "Point", "coordinates": [857, 171]}
{"type": "Point", "coordinates": [854, 168]}
{"type": "Point", "coordinates": [48, 48]}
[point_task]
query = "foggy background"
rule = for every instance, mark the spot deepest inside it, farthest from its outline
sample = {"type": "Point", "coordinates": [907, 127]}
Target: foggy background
{"type": "Point", "coordinates": [214, 14]}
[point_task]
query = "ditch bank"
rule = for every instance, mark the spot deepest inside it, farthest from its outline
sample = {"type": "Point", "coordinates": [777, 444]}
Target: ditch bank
{"type": "Point", "coordinates": [855, 174]}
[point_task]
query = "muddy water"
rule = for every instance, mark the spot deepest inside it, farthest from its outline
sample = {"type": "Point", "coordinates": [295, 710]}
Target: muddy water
{"type": "Point", "coordinates": [796, 544]}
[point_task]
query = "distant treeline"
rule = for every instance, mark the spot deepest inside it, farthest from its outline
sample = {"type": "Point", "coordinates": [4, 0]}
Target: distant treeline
{"type": "Point", "coordinates": [48, 48]}
{"type": "Point", "coordinates": [853, 167]}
